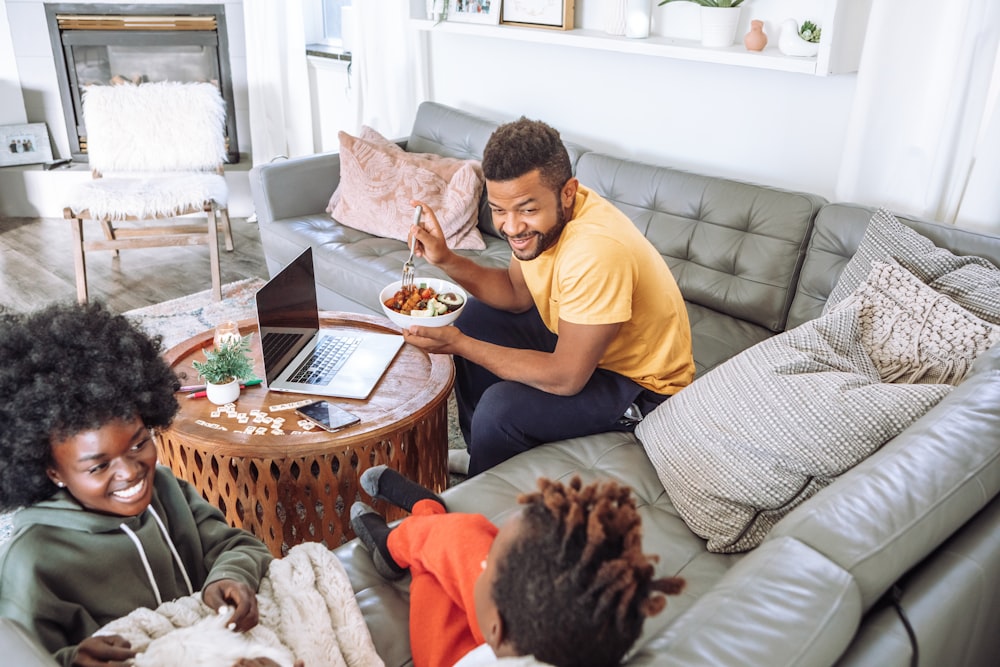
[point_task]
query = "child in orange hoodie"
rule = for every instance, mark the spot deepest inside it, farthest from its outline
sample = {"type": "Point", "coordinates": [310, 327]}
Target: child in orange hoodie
{"type": "Point", "coordinates": [564, 580]}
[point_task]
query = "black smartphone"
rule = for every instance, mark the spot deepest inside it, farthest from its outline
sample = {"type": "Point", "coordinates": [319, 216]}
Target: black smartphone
{"type": "Point", "coordinates": [327, 415]}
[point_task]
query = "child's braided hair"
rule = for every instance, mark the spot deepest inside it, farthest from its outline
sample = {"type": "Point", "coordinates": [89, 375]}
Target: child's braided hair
{"type": "Point", "coordinates": [576, 588]}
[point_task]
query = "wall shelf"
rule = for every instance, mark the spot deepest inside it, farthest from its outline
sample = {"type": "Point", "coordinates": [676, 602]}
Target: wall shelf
{"type": "Point", "coordinates": [843, 25]}
{"type": "Point", "coordinates": [663, 47]}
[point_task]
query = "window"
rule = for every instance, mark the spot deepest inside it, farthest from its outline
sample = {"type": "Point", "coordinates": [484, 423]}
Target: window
{"type": "Point", "coordinates": [333, 29]}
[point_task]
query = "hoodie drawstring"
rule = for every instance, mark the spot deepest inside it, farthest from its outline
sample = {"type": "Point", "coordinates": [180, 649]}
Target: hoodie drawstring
{"type": "Point", "coordinates": [145, 561]}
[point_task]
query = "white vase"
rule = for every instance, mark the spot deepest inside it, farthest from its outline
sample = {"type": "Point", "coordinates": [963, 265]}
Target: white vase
{"type": "Point", "coordinates": [637, 16]}
{"type": "Point", "coordinates": [718, 25]}
{"type": "Point", "coordinates": [220, 394]}
{"type": "Point", "coordinates": [435, 9]}
{"type": "Point", "coordinates": [614, 19]}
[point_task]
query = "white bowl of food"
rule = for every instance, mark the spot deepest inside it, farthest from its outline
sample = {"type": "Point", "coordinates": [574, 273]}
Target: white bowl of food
{"type": "Point", "coordinates": [433, 302]}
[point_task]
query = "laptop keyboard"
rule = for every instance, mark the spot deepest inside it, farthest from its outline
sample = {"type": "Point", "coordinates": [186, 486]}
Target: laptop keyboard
{"type": "Point", "coordinates": [329, 356]}
{"type": "Point", "coordinates": [275, 345]}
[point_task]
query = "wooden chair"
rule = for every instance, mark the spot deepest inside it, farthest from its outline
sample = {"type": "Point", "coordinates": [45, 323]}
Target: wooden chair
{"type": "Point", "coordinates": [156, 151]}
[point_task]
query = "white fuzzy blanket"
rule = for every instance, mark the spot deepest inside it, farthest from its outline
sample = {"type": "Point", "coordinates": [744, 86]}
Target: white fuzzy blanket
{"type": "Point", "coordinates": [307, 612]}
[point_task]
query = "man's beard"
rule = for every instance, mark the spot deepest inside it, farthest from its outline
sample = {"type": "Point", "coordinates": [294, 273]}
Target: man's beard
{"type": "Point", "coordinates": [544, 241]}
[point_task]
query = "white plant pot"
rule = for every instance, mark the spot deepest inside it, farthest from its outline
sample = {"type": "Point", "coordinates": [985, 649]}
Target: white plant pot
{"type": "Point", "coordinates": [220, 394]}
{"type": "Point", "coordinates": [718, 26]}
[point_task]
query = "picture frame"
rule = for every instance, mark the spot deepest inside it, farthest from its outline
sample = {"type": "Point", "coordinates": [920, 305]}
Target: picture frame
{"type": "Point", "coordinates": [474, 11]}
{"type": "Point", "coordinates": [551, 14]}
{"type": "Point", "coordinates": [27, 143]}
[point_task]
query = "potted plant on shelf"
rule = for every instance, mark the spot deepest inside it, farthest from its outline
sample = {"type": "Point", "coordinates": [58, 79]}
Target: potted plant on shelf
{"type": "Point", "coordinates": [225, 366]}
{"type": "Point", "coordinates": [719, 19]}
{"type": "Point", "coordinates": [799, 41]}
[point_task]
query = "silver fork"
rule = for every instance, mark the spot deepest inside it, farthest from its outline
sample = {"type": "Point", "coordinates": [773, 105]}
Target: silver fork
{"type": "Point", "coordinates": [408, 272]}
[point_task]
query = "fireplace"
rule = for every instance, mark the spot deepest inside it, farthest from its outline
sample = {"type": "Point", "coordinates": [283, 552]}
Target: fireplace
{"type": "Point", "coordinates": [107, 44]}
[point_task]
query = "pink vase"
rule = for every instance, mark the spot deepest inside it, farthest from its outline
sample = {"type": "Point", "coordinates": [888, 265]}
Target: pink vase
{"type": "Point", "coordinates": [755, 40]}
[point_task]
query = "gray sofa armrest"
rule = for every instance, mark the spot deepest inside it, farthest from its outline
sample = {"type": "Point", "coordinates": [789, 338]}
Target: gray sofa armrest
{"type": "Point", "coordinates": [893, 509]}
{"type": "Point", "coordinates": [294, 188]}
{"type": "Point", "coordinates": [19, 648]}
{"type": "Point", "coordinates": [760, 613]}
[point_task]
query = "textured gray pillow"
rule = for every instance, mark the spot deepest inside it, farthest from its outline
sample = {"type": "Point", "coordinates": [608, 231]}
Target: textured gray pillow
{"type": "Point", "coordinates": [914, 334]}
{"type": "Point", "coordinates": [753, 438]}
{"type": "Point", "coordinates": [973, 282]}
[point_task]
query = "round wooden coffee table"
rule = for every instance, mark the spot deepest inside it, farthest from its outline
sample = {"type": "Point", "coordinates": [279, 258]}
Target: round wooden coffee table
{"type": "Point", "coordinates": [287, 485]}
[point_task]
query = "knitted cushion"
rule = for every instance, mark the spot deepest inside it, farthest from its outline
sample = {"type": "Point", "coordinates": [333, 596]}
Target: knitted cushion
{"type": "Point", "coordinates": [753, 438]}
{"type": "Point", "coordinates": [914, 334]}
{"type": "Point", "coordinates": [378, 179]}
{"type": "Point", "coordinates": [973, 282]}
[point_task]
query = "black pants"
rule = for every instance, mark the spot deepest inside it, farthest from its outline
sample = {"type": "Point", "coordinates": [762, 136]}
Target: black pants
{"type": "Point", "coordinates": [501, 418]}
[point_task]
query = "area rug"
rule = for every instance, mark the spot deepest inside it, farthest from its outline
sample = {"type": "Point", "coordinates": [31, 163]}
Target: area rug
{"type": "Point", "coordinates": [179, 319]}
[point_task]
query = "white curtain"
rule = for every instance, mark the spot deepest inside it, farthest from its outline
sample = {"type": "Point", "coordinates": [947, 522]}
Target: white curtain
{"type": "Point", "coordinates": [388, 66]}
{"type": "Point", "coordinates": [277, 80]}
{"type": "Point", "coordinates": [924, 133]}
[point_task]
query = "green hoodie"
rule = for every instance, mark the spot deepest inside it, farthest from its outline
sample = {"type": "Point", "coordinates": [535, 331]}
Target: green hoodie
{"type": "Point", "coordinates": [67, 571]}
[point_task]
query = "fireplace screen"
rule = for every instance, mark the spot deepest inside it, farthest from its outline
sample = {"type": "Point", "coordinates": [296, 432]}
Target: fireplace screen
{"type": "Point", "coordinates": [101, 45]}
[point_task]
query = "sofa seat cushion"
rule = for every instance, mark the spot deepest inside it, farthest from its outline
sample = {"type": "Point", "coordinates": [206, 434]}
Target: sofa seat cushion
{"type": "Point", "coordinates": [717, 337]}
{"type": "Point", "coordinates": [744, 444]}
{"type": "Point", "coordinates": [606, 456]}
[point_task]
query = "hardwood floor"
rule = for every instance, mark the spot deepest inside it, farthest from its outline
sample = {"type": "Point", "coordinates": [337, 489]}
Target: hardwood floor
{"type": "Point", "coordinates": [36, 266]}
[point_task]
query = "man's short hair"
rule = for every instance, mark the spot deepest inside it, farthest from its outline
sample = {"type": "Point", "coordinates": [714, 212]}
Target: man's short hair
{"type": "Point", "coordinates": [519, 147]}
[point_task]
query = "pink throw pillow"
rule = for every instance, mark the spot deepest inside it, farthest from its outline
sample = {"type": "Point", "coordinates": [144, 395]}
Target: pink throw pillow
{"type": "Point", "coordinates": [378, 179]}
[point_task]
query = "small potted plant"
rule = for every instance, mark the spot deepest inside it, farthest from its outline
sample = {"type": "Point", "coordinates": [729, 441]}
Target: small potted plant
{"type": "Point", "coordinates": [719, 19]}
{"type": "Point", "coordinates": [224, 368]}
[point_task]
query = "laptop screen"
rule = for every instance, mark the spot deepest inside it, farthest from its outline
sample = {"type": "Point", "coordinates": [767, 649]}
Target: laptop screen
{"type": "Point", "coordinates": [287, 302]}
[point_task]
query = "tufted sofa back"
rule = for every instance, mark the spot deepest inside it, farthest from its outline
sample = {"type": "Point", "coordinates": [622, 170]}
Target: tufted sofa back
{"type": "Point", "coordinates": [455, 133]}
{"type": "Point", "coordinates": [736, 249]}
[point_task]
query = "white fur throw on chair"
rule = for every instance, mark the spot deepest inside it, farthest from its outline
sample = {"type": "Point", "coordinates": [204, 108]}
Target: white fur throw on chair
{"type": "Point", "coordinates": [144, 198]}
{"type": "Point", "coordinates": [164, 126]}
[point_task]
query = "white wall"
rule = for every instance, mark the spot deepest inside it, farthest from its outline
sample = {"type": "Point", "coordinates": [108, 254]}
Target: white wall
{"type": "Point", "coordinates": [773, 128]}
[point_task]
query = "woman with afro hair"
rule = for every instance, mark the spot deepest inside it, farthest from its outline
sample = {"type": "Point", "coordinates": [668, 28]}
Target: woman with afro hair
{"type": "Point", "coordinates": [102, 529]}
{"type": "Point", "coordinates": [563, 582]}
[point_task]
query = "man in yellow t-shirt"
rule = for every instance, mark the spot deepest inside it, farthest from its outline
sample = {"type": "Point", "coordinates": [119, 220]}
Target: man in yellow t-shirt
{"type": "Point", "coordinates": [584, 328]}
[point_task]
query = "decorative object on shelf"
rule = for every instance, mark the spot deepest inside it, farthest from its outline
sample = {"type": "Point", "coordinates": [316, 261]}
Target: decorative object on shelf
{"type": "Point", "coordinates": [791, 43]}
{"type": "Point", "coordinates": [810, 31]}
{"type": "Point", "coordinates": [755, 40]}
{"type": "Point", "coordinates": [719, 19]}
{"type": "Point", "coordinates": [614, 18]}
{"type": "Point", "coordinates": [24, 144]}
{"type": "Point", "coordinates": [552, 14]}
{"type": "Point", "coordinates": [474, 11]}
{"type": "Point", "coordinates": [437, 10]}
{"type": "Point", "coordinates": [224, 367]}
{"type": "Point", "coordinates": [637, 17]}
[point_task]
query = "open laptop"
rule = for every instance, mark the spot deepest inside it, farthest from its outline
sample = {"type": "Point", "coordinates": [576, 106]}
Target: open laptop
{"type": "Point", "coordinates": [299, 356]}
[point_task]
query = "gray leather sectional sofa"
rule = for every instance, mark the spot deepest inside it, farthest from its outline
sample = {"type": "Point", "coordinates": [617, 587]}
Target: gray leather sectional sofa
{"type": "Point", "coordinates": [918, 521]}
{"type": "Point", "coordinates": [909, 538]}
